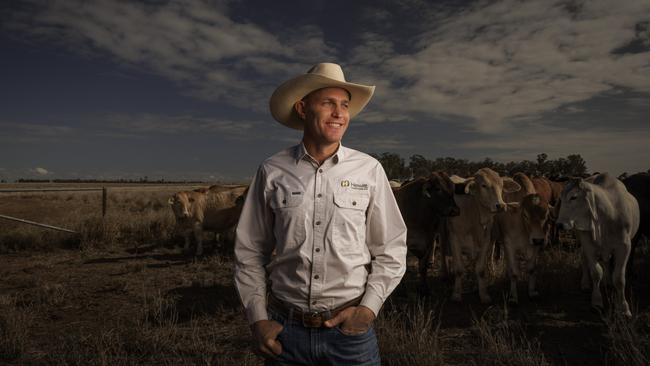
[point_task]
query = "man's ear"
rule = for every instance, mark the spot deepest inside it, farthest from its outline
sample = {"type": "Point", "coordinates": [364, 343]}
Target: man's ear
{"type": "Point", "coordinates": [300, 108]}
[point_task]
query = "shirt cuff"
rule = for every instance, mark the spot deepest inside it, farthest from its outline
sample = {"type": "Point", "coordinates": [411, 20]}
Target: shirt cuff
{"type": "Point", "coordinates": [257, 312]}
{"type": "Point", "coordinates": [372, 301]}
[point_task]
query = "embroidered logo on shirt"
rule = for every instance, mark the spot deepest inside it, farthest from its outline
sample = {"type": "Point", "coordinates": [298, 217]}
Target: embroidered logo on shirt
{"type": "Point", "coordinates": [345, 183]}
{"type": "Point", "coordinates": [363, 187]}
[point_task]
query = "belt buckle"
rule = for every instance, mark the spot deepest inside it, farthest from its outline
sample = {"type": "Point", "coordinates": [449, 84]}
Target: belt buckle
{"type": "Point", "coordinates": [312, 320]}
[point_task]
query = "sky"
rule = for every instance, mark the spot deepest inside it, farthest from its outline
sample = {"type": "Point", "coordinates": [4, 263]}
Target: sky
{"type": "Point", "coordinates": [180, 89]}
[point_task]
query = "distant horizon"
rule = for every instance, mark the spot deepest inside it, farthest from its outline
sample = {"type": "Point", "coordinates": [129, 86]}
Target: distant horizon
{"type": "Point", "coordinates": [146, 179]}
{"type": "Point", "coordinates": [180, 89]}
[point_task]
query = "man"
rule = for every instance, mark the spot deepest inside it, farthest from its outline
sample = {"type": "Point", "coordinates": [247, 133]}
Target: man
{"type": "Point", "coordinates": [320, 241]}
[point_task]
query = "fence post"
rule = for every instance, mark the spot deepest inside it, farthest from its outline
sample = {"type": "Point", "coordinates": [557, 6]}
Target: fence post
{"type": "Point", "coordinates": [103, 202]}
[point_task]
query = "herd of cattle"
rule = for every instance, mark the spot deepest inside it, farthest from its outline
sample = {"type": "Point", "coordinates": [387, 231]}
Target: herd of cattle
{"type": "Point", "coordinates": [472, 218]}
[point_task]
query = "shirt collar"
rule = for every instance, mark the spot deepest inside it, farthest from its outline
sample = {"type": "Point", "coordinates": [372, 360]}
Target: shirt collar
{"type": "Point", "coordinates": [300, 153]}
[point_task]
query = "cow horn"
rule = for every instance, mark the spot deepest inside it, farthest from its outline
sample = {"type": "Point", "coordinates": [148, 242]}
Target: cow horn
{"type": "Point", "coordinates": [170, 200]}
{"type": "Point", "coordinates": [457, 180]}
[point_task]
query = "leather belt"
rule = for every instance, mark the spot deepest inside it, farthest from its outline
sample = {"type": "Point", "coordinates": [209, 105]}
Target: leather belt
{"type": "Point", "coordinates": [307, 319]}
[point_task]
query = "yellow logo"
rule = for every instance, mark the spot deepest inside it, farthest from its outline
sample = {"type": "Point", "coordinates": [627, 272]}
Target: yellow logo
{"type": "Point", "coordinates": [345, 183]}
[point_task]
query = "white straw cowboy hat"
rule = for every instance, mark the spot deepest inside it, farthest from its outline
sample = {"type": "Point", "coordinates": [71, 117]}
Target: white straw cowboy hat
{"type": "Point", "coordinates": [324, 75]}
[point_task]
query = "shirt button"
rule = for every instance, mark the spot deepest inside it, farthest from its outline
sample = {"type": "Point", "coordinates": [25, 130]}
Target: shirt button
{"type": "Point", "coordinates": [319, 195]}
{"type": "Point", "coordinates": [316, 277]}
{"type": "Point", "coordinates": [284, 201]}
{"type": "Point", "coordinates": [320, 170]}
{"type": "Point", "coordinates": [317, 222]}
{"type": "Point", "coordinates": [354, 203]}
{"type": "Point", "coordinates": [317, 250]}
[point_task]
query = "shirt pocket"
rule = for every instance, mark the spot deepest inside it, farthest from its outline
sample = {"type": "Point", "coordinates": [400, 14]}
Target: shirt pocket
{"type": "Point", "coordinates": [289, 225]}
{"type": "Point", "coordinates": [349, 231]}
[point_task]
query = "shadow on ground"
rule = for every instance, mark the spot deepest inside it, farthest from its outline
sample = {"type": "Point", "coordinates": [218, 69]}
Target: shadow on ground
{"type": "Point", "coordinates": [196, 301]}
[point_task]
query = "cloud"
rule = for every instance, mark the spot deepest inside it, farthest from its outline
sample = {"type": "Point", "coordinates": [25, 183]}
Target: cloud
{"type": "Point", "coordinates": [495, 62]}
{"type": "Point", "coordinates": [40, 171]}
{"type": "Point", "coordinates": [146, 124]}
{"type": "Point", "coordinates": [128, 126]}
{"type": "Point", "coordinates": [195, 43]}
{"type": "Point", "coordinates": [377, 143]}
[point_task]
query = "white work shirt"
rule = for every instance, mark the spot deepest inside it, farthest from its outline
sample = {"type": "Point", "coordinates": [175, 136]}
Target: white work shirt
{"type": "Point", "coordinates": [336, 230]}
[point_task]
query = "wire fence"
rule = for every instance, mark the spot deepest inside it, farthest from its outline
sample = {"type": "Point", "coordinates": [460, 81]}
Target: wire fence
{"type": "Point", "coordinates": [16, 219]}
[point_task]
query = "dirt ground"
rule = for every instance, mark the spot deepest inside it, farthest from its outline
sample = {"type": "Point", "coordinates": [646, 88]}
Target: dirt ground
{"type": "Point", "coordinates": [127, 296]}
{"type": "Point", "coordinates": [87, 293]}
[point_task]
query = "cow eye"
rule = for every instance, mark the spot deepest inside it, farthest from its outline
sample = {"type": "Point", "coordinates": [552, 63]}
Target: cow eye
{"type": "Point", "coordinates": [572, 198]}
{"type": "Point", "coordinates": [484, 185]}
{"type": "Point", "coordinates": [191, 199]}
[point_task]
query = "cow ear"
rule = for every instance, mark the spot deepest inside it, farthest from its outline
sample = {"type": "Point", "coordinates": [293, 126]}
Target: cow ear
{"type": "Point", "coordinates": [595, 231]}
{"type": "Point", "coordinates": [591, 204]}
{"type": "Point", "coordinates": [170, 200]}
{"type": "Point", "coordinates": [510, 186]}
{"type": "Point", "coordinates": [470, 187]}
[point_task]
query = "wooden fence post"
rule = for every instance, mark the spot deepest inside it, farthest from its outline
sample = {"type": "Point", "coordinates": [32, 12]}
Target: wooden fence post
{"type": "Point", "coordinates": [103, 202]}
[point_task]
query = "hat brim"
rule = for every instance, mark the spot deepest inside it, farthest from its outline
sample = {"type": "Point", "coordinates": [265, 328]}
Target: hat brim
{"type": "Point", "coordinates": [286, 95]}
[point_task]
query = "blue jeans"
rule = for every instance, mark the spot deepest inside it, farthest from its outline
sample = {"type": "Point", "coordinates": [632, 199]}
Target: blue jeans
{"type": "Point", "coordinates": [323, 346]}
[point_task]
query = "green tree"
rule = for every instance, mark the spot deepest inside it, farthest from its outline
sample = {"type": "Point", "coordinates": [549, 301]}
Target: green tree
{"type": "Point", "coordinates": [420, 166]}
{"type": "Point", "coordinates": [542, 163]}
{"type": "Point", "coordinates": [576, 165]}
{"type": "Point", "coordinates": [393, 165]}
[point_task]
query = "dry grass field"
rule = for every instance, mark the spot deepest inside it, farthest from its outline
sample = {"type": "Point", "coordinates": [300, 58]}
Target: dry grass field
{"type": "Point", "coordinates": [121, 293]}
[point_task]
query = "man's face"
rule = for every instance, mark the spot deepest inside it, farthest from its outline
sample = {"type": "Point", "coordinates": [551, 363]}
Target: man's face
{"type": "Point", "coordinates": [326, 115]}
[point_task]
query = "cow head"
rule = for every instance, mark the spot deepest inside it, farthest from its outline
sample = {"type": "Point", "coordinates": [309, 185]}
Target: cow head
{"type": "Point", "coordinates": [578, 207]}
{"type": "Point", "coordinates": [438, 190]}
{"type": "Point", "coordinates": [488, 188]}
{"type": "Point", "coordinates": [181, 204]}
{"type": "Point", "coordinates": [535, 212]}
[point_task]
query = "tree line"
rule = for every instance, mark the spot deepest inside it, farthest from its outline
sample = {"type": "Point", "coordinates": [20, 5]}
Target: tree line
{"type": "Point", "coordinates": [419, 166]}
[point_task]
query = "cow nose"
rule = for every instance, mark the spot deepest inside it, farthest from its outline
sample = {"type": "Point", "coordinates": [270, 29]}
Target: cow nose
{"type": "Point", "coordinates": [538, 242]}
{"type": "Point", "coordinates": [501, 207]}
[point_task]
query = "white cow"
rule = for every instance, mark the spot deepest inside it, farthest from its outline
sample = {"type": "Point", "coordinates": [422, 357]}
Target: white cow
{"type": "Point", "coordinates": [469, 233]}
{"type": "Point", "coordinates": [213, 209]}
{"type": "Point", "coordinates": [604, 217]}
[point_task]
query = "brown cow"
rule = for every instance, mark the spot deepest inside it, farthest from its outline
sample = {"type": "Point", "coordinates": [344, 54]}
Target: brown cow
{"type": "Point", "coordinates": [469, 233]}
{"type": "Point", "coordinates": [526, 187]}
{"type": "Point", "coordinates": [543, 188]}
{"type": "Point", "coordinates": [524, 227]}
{"type": "Point", "coordinates": [213, 209]}
{"type": "Point", "coordinates": [550, 191]}
{"type": "Point", "coordinates": [423, 203]}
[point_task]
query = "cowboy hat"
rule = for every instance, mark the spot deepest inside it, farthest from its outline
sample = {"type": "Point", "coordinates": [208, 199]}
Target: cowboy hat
{"type": "Point", "coordinates": [323, 75]}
